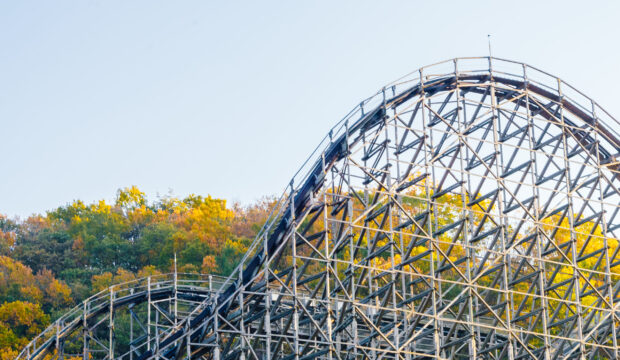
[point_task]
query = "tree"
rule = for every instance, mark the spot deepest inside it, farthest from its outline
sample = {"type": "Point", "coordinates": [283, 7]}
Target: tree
{"type": "Point", "coordinates": [19, 322]}
{"type": "Point", "coordinates": [7, 235]}
{"type": "Point", "coordinates": [17, 282]}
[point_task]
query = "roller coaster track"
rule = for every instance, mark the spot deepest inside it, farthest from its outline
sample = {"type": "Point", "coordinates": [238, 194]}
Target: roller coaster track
{"type": "Point", "coordinates": [468, 210]}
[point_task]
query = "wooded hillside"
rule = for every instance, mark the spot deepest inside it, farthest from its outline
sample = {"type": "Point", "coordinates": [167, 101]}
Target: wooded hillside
{"type": "Point", "coordinates": [50, 262]}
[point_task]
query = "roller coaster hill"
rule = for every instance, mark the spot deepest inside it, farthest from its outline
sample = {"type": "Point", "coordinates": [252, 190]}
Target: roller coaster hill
{"type": "Point", "coordinates": [467, 210]}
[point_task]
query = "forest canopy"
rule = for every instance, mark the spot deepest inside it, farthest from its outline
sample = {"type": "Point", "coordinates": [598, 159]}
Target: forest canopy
{"type": "Point", "coordinates": [51, 262]}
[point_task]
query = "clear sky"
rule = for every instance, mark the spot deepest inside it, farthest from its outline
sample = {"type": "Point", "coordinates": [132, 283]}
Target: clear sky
{"type": "Point", "coordinates": [228, 98]}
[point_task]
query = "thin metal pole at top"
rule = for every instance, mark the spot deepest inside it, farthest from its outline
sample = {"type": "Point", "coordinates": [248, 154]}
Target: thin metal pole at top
{"type": "Point", "coordinates": [489, 40]}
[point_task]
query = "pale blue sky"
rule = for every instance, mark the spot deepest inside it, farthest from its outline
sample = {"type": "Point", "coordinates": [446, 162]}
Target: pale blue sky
{"type": "Point", "coordinates": [229, 97]}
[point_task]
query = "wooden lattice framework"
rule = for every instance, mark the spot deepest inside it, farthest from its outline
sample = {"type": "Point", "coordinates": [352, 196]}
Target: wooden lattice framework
{"type": "Point", "coordinates": [467, 210]}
